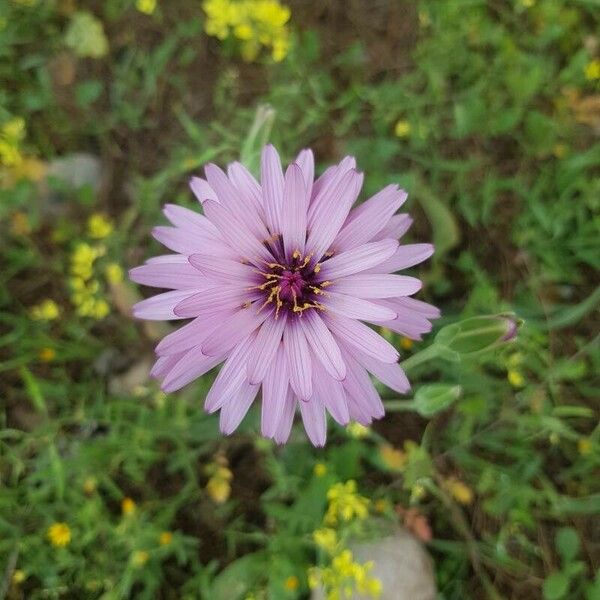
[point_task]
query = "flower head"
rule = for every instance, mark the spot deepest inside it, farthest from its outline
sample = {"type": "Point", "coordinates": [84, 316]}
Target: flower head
{"type": "Point", "coordinates": [59, 534]}
{"type": "Point", "coordinates": [278, 278]}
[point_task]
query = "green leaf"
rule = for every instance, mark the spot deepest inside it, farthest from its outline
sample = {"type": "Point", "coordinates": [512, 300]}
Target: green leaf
{"type": "Point", "coordinates": [257, 137]}
{"type": "Point", "coordinates": [556, 586]}
{"type": "Point", "coordinates": [567, 543]}
{"type": "Point", "coordinates": [433, 398]}
{"type": "Point", "coordinates": [239, 577]}
{"type": "Point", "coordinates": [88, 92]}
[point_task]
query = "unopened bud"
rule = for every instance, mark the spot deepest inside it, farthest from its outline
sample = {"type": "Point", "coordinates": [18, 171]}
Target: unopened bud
{"type": "Point", "coordinates": [476, 335]}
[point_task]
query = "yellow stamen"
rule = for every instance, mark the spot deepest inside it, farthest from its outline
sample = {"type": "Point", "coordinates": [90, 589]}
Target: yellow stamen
{"type": "Point", "coordinates": [325, 283]}
{"type": "Point", "coordinates": [317, 268]}
{"type": "Point", "coordinates": [296, 254]}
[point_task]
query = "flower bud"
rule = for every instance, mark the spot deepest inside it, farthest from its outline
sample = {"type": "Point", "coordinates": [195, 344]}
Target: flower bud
{"type": "Point", "coordinates": [476, 335]}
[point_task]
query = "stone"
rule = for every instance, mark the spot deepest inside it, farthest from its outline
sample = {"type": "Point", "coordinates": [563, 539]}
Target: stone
{"type": "Point", "coordinates": [401, 563]}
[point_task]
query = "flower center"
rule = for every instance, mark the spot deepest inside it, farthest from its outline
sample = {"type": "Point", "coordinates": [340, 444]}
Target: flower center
{"type": "Point", "coordinates": [291, 285]}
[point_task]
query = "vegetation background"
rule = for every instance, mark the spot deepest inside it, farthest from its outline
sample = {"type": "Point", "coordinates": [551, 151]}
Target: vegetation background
{"type": "Point", "coordinates": [486, 111]}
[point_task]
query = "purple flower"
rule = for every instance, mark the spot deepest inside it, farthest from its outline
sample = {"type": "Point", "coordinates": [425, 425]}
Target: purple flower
{"type": "Point", "coordinates": [277, 278]}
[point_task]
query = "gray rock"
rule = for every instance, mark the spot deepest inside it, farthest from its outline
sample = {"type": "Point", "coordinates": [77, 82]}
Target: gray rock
{"type": "Point", "coordinates": [402, 565]}
{"type": "Point", "coordinates": [77, 170]}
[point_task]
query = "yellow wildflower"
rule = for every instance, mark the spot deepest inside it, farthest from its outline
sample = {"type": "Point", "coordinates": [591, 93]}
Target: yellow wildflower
{"type": "Point", "coordinates": [326, 538]}
{"type": "Point", "coordinates": [357, 431]}
{"type": "Point", "coordinates": [12, 133]}
{"type": "Point", "coordinates": [584, 446]}
{"type": "Point", "coordinates": [101, 309]}
{"type": "Point", "coordinates": [417, 492]}
{"type": "Point", "coordinates": [345, 503]}
{"type": "Point", "coordinates": [128, 506]}
{"type": "Point", "coordinates": [515, 378]}
{"type": "Point", "coordinates": [560, 150]}
{"type": "Point", "coordinates": [527, 3]}
{"type": "Point", "coordinates": [146, 6]}
{"type": "Point", "coordinates": [592, 70]}
{"type": "Point", "coordinates": [99, 226]}
{"type": "Point", "coordinates": [406, 343]}
{"type": "Point", "coordinates": [47, 310]}
{"type": "Point", "coordinates": [59, 534]}
{"type": "Point", "coordinates": [47, 354]}
{"type": "Point", "coordinates": [461, 492]}
{"type": "Point", "coordinates": [139, 558]}
{"type": "Point", "coordinates": [320, 469]}
{"type": "Point", "coordinates": [114, 273]}
{"type": "Point", "coordinates": [256, 23]}
{"type": "Point", "coordinates": [218, 489]}
{"type": "Point", "coordinates": [89, 485]}
{"type": "Point", "coordinates": [291, 583]}
{"type": "Point", "coordinates": [392, 457]}
{"type": "Point", "coordinates": [165, 538]}
{"type": "Point", "coordinates": [381, 505]}
{"type": "Point", "coordinates": [18, 576]}
{"type": "Point", "coordinates": [402, 129]}
{"type": "Point", "coordinates": [19, 224]}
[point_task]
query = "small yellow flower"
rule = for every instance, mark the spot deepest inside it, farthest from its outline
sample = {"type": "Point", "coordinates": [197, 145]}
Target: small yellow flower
{"type": "Point", "coordinates": [114, 273]}
{"type": "Point", "coordinates": [165, 538]}
{"type": "Point", "coordinates": [592, 70]}
{"type": "Point", "coordinates": [146, 6]}
{"type": "Point", "coordinates": [527, 3]}
{"type": "Point", "coordinates": [345, 503]}
{"type": "Point", "coordinates": [139, 558]}
{"type": "Point", "coordinates": [560, 150]}
{"type": "Point", "coordinates": [381, 505]}
{"type": "Point", "coordinates": [406, 343]}
{"type": "Point", "coordinates": [417, 492]}
{"type": "Point", "coordinates": [291, 583]}
{"type": "Point", "coordinates": [99, 226]}
{"type": "Point", "coordinates": [19, 224]}
{"type": "Point", "coordinates": [326, 538]}
{"type": "Point", "coordinates": [218, 489]}
{"type": "Point", "coordinates": [128, 506]}
{"type": "Point", "coordinates": [357, 431]}
{"type": "Point", "coordinates": [392, 457]}
{"type": "Point", "coordinates": [47, 354]}
{"type": "Point", "coordinates": [515, 378]}
{"type": "Point", "coordinates": [402, 129]}
{"type": "Point", "coordinates": [320, 469]}
{"type": "Point", "coordinates": [101, 309]}
{"type": "Point", "coordinates": [47, 310]}
{"type": "Point", "coordinates": [584, 446]}
{"type": "Point", "coordinates": [89, 485]}
{"type": "Point", "coordinates": [461, 492]}
{"type": "Point", "coordinates": [18, 576]}
{"type": "Point", "coordinates": [313, 577]}
{"type": "Point", "coordinates": [59, 534]}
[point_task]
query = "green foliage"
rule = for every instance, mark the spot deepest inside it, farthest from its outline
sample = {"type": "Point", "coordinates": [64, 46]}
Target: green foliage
{"type": "Point", "coordinates": [496, 452]}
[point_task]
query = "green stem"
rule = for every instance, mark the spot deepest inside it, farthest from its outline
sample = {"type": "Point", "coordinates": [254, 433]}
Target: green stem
{"type": "Point", "coordinates": [424, 355]}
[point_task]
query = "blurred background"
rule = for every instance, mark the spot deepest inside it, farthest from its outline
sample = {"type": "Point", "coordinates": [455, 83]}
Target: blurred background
{"type": "Point", "coordinates": [486, 111]}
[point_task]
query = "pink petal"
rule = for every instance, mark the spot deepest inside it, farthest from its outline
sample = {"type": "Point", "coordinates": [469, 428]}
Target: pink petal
{"type": "Point", "coordinates": [357, 260]}
{"type": "Point", "coordinates": [333, 208]}
{"type": "Point", "coordinates": [306, 161]}
{"type": "Point", "coordinates": [267, 342]}
{"type": "Point", "coordinates": [293, 214]}
{"type": "Point", "coordinates": [164, 364]}
{"type": "Point", "coordinates": [190, 335]}
{"type": "Point", "coordinates": [161, 307]}
{"type": "Point", "coordinates": [185, 241]}
{"type": "Point", "coordinates": [284, 426]}
{"type": "Point", "coordinates": [411, 305]}
{"type": "Point", "coordinates": [272, 186]}
{"type": "Point", "coordinates": [391, 375]}
{"type": "Point", "coordinates": [274, 392]}
{"type": "Point", "coordinates": [233, 330]}
{"type": "Point", "coordinates": [361, 390]}
{"type": "Point", "coordinates": [375, 285]}
{"type": "Point", "coordinates": [167, 259]}
{"type": "Point", "coordinates": [357, 308]}
{"type": "Point", "coordinates": [323, 344]}
{"type": "Point", "coordinates": [191, 221]}
{"type": "Point", "coordinates": [175, 276]}
{"type": "Point", "coordinates": [395, 228]}
{"type": "Point", "coordinates": [315, 421]}
{"type": "Point", "coordinates": [230, 197]}
{"type": "Point", "coordinates": [298, 359]}
{"type": "Point", "coordinates": [202, 190]}
{"type": "Point", "coordinates": [331, 177]}
{"type": "Point", "coordinates": [366, 220]}
{"type": "Point", "coordinates": [224, 270]}
{"type": "Point", "coordinates": [246, 184]}
{"type": "Point", "coordinates": [235, 410]}
{"type": "Point", "coordinates": [236, 235]}
{"type": "Point", "coordinates": [405, 256]}
{"type": "Point", "coordinates": [356, 334]}
{"type": "Point", "coordinates": [331, 393]}
{"type": "Point", "coordinates": [211, 301]}
{"type": "Point", "coordinates": [192, 365]}
{"type": "Point", "coordinates": [230, 377]}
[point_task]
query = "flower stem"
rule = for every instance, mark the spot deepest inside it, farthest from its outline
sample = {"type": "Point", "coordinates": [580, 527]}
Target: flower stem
{"type": "Point", "coordinates": [424, 355]}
